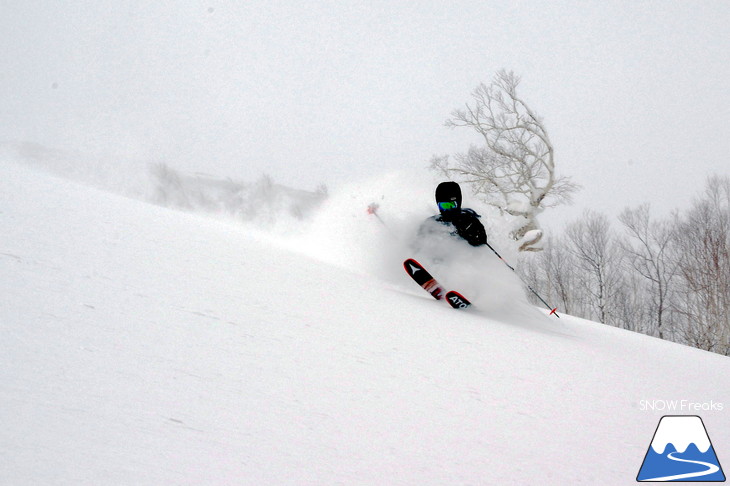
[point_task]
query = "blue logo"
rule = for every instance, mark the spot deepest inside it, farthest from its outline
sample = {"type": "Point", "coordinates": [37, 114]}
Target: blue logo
{"type": "Point", "coordinates": [681, 451]}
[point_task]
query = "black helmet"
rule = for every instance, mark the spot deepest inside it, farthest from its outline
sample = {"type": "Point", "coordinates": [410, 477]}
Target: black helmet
{"type": "Point", "coordinates": [448, 196]}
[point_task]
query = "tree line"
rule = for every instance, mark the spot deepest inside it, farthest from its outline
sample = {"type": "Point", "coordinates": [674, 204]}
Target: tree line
{"type": "Point", "coordinates": [666, 277]}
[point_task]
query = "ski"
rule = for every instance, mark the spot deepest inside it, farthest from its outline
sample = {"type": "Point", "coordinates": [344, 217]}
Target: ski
{"type": "Point", "coordinates": [423, 278]}
{"type": "Point", "coordinates": [456, 300]}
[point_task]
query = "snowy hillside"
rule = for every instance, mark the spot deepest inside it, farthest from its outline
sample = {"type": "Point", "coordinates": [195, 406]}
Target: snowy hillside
{"type": "Point", "coordinates": [142, 345]}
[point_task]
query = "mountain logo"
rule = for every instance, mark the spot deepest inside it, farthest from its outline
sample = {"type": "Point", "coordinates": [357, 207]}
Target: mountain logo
{"type": "Point", "coordinates": [681, 451]}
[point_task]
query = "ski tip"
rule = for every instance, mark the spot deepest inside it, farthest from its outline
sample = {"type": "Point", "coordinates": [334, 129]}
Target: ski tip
{"type": "Point", "coordinates": [412, 266]}
{"type": "Point", "coordinates": [409, 264]}
{"type": "Point", "coordinates": [456, 300]}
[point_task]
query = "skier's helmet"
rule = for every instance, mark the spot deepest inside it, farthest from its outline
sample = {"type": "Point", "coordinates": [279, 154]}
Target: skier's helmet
{"type": "Point", "coordinates": [448, 196]}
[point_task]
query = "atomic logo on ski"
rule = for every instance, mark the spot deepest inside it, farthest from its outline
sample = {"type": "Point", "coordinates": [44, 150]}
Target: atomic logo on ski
{"type": "Point", "coordinates": [423, 278]}
{"type": "Point", "coordinates": [413, 268]}
{"type": "Point", "coordinates": [681, 451]}
{"type": "Point", "coordinates": [456, 300]}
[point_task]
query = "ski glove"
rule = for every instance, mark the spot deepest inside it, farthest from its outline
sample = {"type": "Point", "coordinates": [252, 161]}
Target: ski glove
{"type": "Point", "coordinates": [471, 230]}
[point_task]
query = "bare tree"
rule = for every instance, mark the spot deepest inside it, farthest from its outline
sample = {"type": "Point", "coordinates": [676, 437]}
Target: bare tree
{"type": "Point", "coordinates": [704, 245]}
{"type": "Point", "coordinates": [648, 251]}
{"type": "Point", "coordinates": [599, 257]}
{"type": "Point", "coordinates": [553, 272]}
{"type": "Point", "coordinates": [515, 169]}
{"type": "Point", "coordinates": [631, 307]}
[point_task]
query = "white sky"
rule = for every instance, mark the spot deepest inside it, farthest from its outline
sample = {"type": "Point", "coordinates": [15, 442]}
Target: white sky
{"type": "Point", "coordinates": [634, 94]}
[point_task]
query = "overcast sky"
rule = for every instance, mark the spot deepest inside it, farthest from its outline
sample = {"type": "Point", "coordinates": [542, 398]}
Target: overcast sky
{"type": "Point", "coordinates": [634, 94]}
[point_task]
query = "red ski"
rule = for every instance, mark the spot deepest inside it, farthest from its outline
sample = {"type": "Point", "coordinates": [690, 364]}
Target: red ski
{"type": "Point", "coordinates": [421, 276]}
{"type": "Point", "coordinates": [456, 300]}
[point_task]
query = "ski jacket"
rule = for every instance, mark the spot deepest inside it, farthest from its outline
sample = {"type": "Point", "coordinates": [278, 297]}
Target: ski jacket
{"type": "Point", "coordinates": [463, 223]}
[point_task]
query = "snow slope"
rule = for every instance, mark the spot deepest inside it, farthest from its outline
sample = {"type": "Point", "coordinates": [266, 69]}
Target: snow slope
{"type": "Point", "coordinates": [142, 345]}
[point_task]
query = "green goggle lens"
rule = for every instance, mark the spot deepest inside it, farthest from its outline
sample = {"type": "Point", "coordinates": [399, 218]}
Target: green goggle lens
{"type": "Point", "coordinates": [444, 206]}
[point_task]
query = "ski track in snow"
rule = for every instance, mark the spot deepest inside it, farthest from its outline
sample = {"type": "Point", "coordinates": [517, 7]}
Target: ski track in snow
{"type": "Point", "coordinates": [148, 346]}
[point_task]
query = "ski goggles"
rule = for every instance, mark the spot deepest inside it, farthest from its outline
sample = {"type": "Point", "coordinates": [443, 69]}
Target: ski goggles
{"type": "Point", "coordinates": [445, 206]}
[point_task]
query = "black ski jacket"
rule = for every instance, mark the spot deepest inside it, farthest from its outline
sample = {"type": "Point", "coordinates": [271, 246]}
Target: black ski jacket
{"type": "Point", "coordinates": [460, 222]}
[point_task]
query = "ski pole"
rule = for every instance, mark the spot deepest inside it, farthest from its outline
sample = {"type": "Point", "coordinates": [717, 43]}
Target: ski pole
{"type": "Point", "coordinates": [373, 209]}
{"type": "Point", "coordinates": [553, 310]}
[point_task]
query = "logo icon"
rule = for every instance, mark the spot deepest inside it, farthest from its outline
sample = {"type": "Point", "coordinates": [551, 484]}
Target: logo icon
{"type": "Point", "coordinates": [681, 451]}
{"type": "Point", "coordinates": [414, 269]}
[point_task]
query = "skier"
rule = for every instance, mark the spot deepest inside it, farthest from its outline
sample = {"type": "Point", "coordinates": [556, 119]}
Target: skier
{"type": "Point", "coordinates": [452, 218]}
{"type": "Point", "coordinates": [459, 266]}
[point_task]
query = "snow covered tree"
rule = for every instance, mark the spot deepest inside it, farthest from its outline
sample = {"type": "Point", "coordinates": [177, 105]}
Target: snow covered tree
{"type": "Point", "coordinates": [515, 168]}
